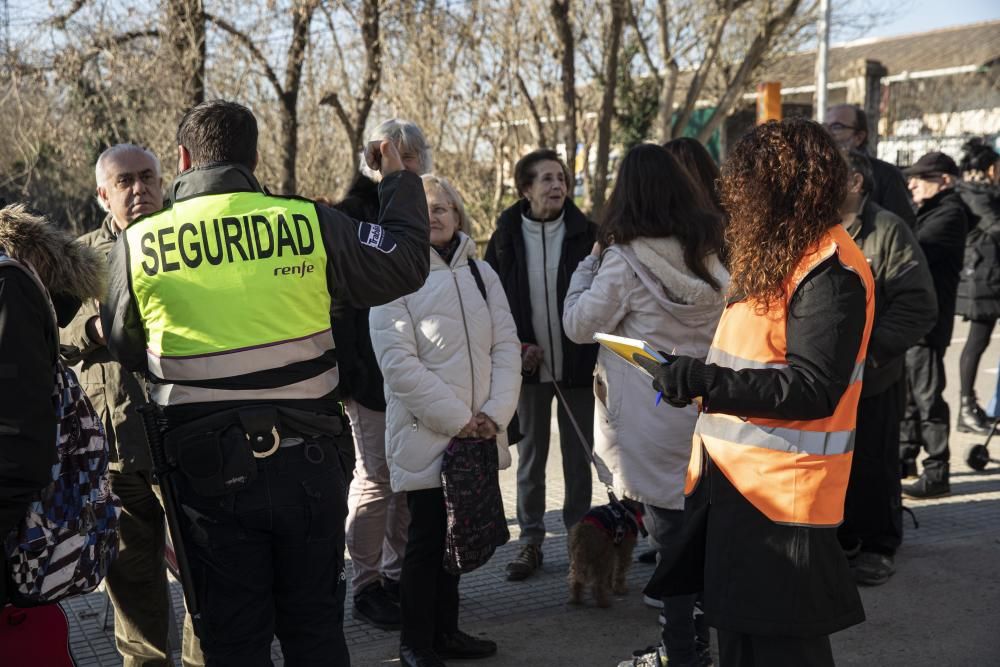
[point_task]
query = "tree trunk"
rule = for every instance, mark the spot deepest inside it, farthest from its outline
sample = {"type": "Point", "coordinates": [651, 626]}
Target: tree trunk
{"type": "Point", "coordinates": [668, 83]}
{"type": "Point", "coordinates": [560, 10]}
{"type": "Point", "coordinates": [751, 61]}
{"type": "Point", "coordinates": [186, 35]}
{"type": "Point", "coordinates": [289, 144]}
{"type": "Point", "coordinates": [607, 108]}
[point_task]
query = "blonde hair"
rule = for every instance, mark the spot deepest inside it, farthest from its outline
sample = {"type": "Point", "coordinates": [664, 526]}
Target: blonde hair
{"type": "Point", "coordinates": [432, 181]}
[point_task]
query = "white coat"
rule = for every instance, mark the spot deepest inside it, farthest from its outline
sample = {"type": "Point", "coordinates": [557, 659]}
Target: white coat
{"type": "Point", "coordinates": [643, 290]}
{"type": "Point", "coordinates": [446, 355]}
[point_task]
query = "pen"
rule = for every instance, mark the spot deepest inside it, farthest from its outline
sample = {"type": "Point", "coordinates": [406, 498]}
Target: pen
{"type": "Point", "coordinates": [659, 394]}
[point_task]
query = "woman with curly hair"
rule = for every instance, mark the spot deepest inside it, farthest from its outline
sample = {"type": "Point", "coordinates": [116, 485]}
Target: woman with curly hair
{"type": "Point", "coordinates": [779, 395]}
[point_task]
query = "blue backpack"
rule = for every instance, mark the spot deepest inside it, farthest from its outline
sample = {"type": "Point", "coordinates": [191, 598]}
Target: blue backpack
{"type": "Point", "coordinates": [68, 538]}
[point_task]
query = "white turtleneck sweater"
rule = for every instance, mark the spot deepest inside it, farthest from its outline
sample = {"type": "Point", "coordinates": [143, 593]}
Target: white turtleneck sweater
{"type": "Point", "coordinates": [543, 243]}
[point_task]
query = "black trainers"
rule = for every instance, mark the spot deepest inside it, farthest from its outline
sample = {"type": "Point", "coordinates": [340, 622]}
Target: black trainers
{"type": "Point", "coordinates": [418, 657]}
{"type": "Point", "coordinates": [926, 487]}
{"type": "Point", "coordinates": [374, 606]}
{"type": "Point", "coordinates": [872, 569]}
{"type": "Point", "coordinates": [462, 646]}
{"type": "Point", "coordinates": [972, 418]}
{"type": "Point", "coordinates": [524, 565]}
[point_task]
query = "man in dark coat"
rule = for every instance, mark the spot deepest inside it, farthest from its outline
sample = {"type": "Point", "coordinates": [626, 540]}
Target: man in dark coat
{"type": "Point", "coordinates": [848, 124]}
{"type": "Point", "coordinates": [942, 223]}
{"type": "Point", "coordinates": [905, 310]}
{"type": "Point", "coordinates": [129, 184]}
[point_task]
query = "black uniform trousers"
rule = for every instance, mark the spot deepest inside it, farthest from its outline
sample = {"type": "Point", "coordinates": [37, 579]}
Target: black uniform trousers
{"type": "Point", "coordinates": [428, 594]}
{"type": "Point", "coordinates": [926, 419]}
{"type": "Point", "coordinates": [268, 561]}
{"type": "Point", "coordinates": [873, 509]}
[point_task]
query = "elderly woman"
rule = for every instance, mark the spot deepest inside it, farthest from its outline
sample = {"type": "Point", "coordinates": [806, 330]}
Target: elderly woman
{"type": "Point", "coordinates": [779, 400]}
{"type": "Point", "coordinates": [452, 365]}
{"type": "Point", "coordinates": [377, 518]}
{"type": "Point", "coordinates": [538, 243]}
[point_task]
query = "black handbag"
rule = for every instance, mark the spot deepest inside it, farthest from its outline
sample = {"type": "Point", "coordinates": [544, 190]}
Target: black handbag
{"type": "Point", "coordinates": [476, 521]}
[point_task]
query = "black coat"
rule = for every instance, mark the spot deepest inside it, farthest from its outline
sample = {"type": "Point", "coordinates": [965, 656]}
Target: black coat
{"type": "Point", "coordinates": [942, 223]}
{"type": "Point", "coordinates": [890, 191]}
{"type": "Point", "coordinates": [506, 254]}
{"type": "Point", "coordinates": [979, 288]}
{"type": "Point", "coordinates": [360, 377]}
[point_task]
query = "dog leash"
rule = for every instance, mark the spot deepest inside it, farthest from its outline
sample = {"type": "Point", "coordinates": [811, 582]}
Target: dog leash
{"type": "Point", "coordinates": [589, 448]}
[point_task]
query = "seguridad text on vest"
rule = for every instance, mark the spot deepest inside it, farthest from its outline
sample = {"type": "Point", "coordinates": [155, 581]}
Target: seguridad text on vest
{"type": "Point", "coordinates": [227, 239]}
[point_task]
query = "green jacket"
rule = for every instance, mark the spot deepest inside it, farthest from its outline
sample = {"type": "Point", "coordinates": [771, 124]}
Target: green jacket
{"type": "Point", "coordinates": [905, 302]}
{"type": "Point", "coordinates": [115, 392]}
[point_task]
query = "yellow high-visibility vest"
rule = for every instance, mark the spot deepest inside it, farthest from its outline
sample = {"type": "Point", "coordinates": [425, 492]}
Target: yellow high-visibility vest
{"type": "Point", "coordinates": [230, 284]}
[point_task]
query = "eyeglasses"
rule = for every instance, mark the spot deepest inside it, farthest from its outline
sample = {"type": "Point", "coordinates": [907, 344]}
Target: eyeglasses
{"type": "Point", "coordinates": [839, 127]}
{"type": "Point", "coordinates": [438, 211]}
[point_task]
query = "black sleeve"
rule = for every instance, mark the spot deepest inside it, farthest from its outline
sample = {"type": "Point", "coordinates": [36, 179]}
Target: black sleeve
{"type": "Point", "coordinates": [491, 257]}
{"type": "Point", "coordinates": [372, 264]}
{"type": "Point", "coordinates": [27, 415]}
{"type": "Point", "coordinates": [826, 322]}
{"type": "Point", "coordinates": [119, 314]}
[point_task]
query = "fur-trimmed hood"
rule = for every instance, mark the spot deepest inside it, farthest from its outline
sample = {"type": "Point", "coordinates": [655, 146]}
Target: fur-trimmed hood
{"type": "Point", "coordinates": [65, 266]}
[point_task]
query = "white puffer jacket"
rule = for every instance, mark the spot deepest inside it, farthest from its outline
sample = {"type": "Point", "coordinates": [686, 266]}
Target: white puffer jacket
{"type": "Point", "coordinates": [446, 355]}
{"type": "Point", "coordinates": [644, 290]}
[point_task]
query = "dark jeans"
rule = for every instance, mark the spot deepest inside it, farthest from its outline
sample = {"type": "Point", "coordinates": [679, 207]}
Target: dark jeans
{"type": "Point", "coordinates": [682, 631]}
{"type": "Point", "coordinates": [269, 560]}
{"type": "Point", "coordinates": [741, 650]}
{"type": "Point", "coordinates": [968, 364]}
{"type": "Point", "coordinates": [534, 410]}
{"type": "Point", "coordinates": [873, 510]}
{"type": "Point", "coordinates": [926, 418]}
{"type": "Point", "coordinates": [428, 594]}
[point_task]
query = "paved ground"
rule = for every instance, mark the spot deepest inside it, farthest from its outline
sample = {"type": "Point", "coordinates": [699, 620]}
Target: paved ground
{"type": "Point", "coordinates": [941, 608]}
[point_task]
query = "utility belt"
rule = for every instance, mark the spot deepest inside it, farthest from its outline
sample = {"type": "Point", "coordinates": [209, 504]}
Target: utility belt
{"type": "Point", "coordinates": [218, 454]}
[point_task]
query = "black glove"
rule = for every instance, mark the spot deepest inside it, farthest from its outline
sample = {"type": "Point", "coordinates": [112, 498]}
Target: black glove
{"type": "Point", "coordinates": [680, 379]}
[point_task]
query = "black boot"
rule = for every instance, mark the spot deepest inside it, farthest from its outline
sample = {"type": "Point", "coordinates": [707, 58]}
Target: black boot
{"type": "Point", "coordinates": [972, 418]}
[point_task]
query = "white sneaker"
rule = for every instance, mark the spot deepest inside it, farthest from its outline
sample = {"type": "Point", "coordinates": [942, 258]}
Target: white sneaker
{"type": "Point", "coordinates": [652, 602]}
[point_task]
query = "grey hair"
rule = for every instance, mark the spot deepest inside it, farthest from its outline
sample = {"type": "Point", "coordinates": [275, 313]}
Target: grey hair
{"type": "Point", "coordinates": [100, 173]}
{"type": "Point", "coordinates": [432, 181]}
{"type": "Point", "coordinates": [408, 136]}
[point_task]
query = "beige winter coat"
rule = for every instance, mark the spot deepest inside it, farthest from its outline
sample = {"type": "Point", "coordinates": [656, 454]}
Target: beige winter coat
{"type": "Point", "coordinates": [643, 290]}
{"type": "Point", "coordinates": [446, 355]}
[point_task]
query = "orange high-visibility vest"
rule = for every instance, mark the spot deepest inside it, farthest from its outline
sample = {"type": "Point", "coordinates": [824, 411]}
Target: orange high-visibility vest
{"type": "Point", "coordinates": [794, 472]}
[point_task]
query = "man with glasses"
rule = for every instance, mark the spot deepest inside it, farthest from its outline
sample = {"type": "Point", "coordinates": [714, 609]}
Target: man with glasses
{"type": "Point", "coordinates": [129, 185]}
{"type": "Point", "coordinates": [848, 124]}
{"type": "Point", "coordinates": [942, 223]}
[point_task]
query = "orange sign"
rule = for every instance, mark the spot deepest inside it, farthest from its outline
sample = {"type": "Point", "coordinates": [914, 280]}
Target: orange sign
{"type": "Point", "coordinates": [768, 101]}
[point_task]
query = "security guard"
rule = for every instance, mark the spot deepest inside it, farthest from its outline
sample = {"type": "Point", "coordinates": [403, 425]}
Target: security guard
{"type": "Point", "coordinates": [223, 300]}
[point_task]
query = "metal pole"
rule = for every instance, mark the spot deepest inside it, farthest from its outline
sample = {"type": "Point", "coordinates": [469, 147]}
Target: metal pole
{"type": "Point", "coordinates": [823, 34]}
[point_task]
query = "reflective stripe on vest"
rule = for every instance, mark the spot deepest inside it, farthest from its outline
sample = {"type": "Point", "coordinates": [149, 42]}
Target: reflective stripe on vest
{"type": "Point", "coordinates": [794, 472]}
{"type": "Point", "coordinates": [231, 284]}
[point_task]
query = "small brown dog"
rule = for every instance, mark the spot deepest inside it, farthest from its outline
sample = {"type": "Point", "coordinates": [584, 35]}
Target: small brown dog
{"type": "Point", "coordinates": [600, 550]}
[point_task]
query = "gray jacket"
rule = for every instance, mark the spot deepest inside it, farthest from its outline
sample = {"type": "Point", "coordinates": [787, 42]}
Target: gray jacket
{"type": "Point", "coordinates": [905, 302]}
{"type": "Point", "coordinates": [643, 289]}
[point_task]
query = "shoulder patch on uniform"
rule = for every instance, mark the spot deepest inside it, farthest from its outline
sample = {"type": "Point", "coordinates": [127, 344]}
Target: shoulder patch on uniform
{"type": "Point", "coordinates": [375, 236]}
